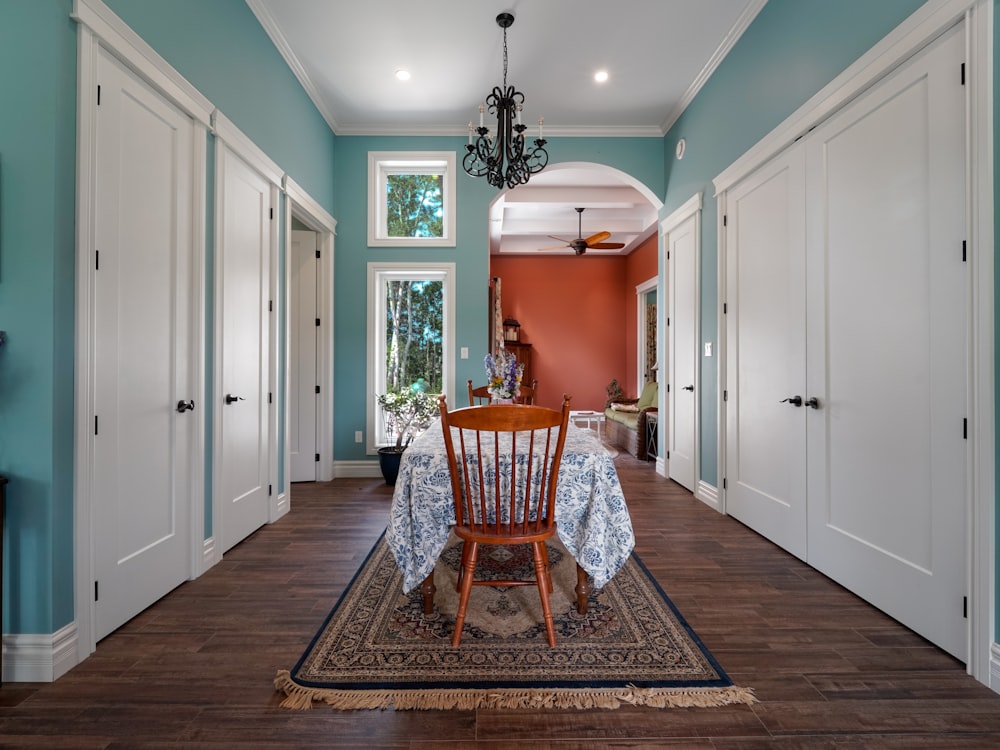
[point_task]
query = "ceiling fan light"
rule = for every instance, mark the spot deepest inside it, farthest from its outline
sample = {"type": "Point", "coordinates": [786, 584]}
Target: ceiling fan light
{"type": "Point", "coordinates": [402, 75]}
{"type": "Point", "coordinates": [601, 76]}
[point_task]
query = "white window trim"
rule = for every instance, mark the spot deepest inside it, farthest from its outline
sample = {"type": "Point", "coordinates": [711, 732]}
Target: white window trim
{"type": "Point", "coordinates": [383, 163]}
{"type": "Point", "coordinates": [378, 275]}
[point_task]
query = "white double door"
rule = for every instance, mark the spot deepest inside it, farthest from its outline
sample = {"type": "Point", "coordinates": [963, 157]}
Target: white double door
{"type": "Point", "coordinates": [847, 353]}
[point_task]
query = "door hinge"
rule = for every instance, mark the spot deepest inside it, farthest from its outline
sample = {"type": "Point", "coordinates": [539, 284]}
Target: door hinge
{"type": "Point", "coordinates": [269, 397]}
{"type": "Point", "coordinates": [317, 458]}
{"type": "Point", "coordinates": [668, 321]}
{"type": "Point", "coordinates": [317, 321]}
{"type": "Point", "coordinates": [271, 213]}
{"type": "Point", "coordinates": [317, 389]}
{"type": "Point", "coordinates": [96, 597]}
{"type": "Point", "coordinates": [724, 483]}
{"type": "Point", "coordinates": [95, 424]}
{"type": "Point", "coordinates": [963, 74]}
{"type": "Point", "coordinates": [668, 455]}
{"type": "Point", "coordinates": [725, 395]}
{"type": "Point", "coordinates": [98, 95]}
{"type": "Point", "coordinates": [965, 607]}
{"type": "Point", "coordinates": [269, 490]}
{"type": "Point", "coordinates": [668, 255]}
{"type": "Point", "coordinates": [317, 255]}
{"type": "Point", "coordinates": [725, 308]}
{"type": "Point", "coordinates": [964, 249]}
{"type": "Point", "coordinates": [270, 305]}
{"type": "Point", "coordinates": [965, 428]}
{"type": "Point", "coordinates": [725, 220]}
{"type": "Point", "coordinates": [97, 260]}
{"type": "Point", "coordinates": [668, 387]}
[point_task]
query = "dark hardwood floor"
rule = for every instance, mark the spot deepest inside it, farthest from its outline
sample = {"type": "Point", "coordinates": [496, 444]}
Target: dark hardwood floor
{"type": "Point", "coordinates": [196, 669]}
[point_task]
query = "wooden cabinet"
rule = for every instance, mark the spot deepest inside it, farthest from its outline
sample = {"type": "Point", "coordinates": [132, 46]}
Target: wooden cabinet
{"type": "Point", "coordinates": [523, 354]}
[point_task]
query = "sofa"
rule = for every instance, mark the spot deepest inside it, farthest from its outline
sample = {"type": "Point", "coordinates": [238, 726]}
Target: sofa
{"type": "Point", "coordinates": [625, 420]}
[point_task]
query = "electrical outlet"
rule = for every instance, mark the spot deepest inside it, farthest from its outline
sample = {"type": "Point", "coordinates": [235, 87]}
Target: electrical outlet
{"type": "Point", "coordinates": [464, 353]}
{"type": "Point", "coordinates": [359, 437]}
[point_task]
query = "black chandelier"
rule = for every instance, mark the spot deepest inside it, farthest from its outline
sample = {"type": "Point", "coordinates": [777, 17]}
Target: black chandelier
{"type": "Point", "coordinates": [501, 156]}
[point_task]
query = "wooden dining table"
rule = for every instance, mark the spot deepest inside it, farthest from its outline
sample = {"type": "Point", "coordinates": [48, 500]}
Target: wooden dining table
{"type": "Point", "coordinates": [592, 518]}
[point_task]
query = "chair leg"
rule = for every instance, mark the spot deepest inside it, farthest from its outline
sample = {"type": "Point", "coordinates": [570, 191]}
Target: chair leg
{"type": "Point", "coordinates": [548, 568]}
{"type": "Point", "coordinates": [461, 567]}
{"type": "Point", "coordinates": [469, 554]}
{"type": "Point", "coordinates": [541, 576]}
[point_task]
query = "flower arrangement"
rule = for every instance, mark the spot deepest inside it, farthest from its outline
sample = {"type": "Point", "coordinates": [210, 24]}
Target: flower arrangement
{"type": "Point", "coordinates": [504, 374]}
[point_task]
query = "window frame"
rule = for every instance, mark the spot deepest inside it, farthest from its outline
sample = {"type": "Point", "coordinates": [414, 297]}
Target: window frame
{"type": "Point", "coordinates": [378, 274]}
{"type": "Point", "coordinates": [381, 164]}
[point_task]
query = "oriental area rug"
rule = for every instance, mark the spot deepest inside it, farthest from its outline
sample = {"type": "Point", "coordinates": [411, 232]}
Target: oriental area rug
{"type": "Point", "coordinates": [378, 650]}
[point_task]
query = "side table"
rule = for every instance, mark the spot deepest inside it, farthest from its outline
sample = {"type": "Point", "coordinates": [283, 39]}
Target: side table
{"type": "Point", "coordinates": [592, 419]}
{"type": "Point", "coordinates": [652, 417]}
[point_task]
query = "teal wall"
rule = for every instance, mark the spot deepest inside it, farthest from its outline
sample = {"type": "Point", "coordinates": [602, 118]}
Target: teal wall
{"type": "Point", "coordinates": [791, 50]}
{"type": "Point", "coordinates": [221, 49]}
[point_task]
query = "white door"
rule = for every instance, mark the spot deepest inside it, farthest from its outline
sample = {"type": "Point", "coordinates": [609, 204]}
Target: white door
{"type": "Point", "coordinates": [682, 346]}
{"type": "Point", "coordinates": [243, 256]}
{"type": "Point", "coordinates": [887, 454]}
{"type": "Point", "coordinates": [765, 475]}
{"type": "Point", "coordinates": [303, 379]}
{"type": "Point", "coordinates": [142, 359]}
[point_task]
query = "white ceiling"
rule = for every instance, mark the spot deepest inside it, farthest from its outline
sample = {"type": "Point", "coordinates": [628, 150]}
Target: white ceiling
{"type": "Point", "coordinates": [657, 53]}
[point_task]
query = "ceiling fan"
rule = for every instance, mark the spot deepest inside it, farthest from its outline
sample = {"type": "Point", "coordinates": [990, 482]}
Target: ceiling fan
{"type": "Point", "coordinates": [581, 244]}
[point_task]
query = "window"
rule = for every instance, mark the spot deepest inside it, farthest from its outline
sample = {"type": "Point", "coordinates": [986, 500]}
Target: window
{"type": "Point", "coordinates": [411, 198]}
{"type": "Point", "coordinates": [410, 330]}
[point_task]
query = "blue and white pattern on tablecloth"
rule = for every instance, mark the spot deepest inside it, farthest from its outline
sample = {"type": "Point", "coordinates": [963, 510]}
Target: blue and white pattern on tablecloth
{"type": "Point", "coordinates": [591, 516]}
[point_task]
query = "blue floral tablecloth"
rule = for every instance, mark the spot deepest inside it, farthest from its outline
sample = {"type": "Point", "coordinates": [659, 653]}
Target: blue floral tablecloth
{"type": "Point", "coordinates": [591, 515]}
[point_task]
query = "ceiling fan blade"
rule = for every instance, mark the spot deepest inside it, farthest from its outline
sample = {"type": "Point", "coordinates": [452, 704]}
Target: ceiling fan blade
{"type": "Point", "coordinates": [555, 247]}
{"type": "Point", "coordinates": [606, 246]}
{"type": "Point", "coordinates": [595, 238]}
{"type": "Point", "coordinates": [560, 239]}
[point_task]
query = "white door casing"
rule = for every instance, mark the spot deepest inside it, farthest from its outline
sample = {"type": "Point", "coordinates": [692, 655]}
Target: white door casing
{"type": "Point", "coordinates": [243, 260]}
{"type": "Point", "coordinates": [888, 289]}
{"type": "Point", "coordinates": [683, 240]}
{"type": "Point", "coordinates": [303, 378]}
{"type": "Point", "coordinates": [144, 355]}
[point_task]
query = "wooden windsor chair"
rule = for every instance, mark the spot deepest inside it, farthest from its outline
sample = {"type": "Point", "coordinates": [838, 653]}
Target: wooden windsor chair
{"type": "Point", "coordinates": [504, 471]}
{"type": "Point", "coordinates": [480, 396]}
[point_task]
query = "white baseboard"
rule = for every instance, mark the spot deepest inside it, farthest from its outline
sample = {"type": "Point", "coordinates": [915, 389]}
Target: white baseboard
{"type": "Point", "coordinates": [208, 556]}
{"type": "Point", "coordinates": [356, 469]}
{"type": "Point", "coordinates": [29, 657]}
{"type": "Point", "coordinates": [994, 682]}
{"type": "Point", "coordinates": [708, 494]}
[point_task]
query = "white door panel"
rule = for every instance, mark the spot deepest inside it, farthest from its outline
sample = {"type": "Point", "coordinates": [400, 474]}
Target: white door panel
{"type": "Point", "coordinates": [303, 378]}
{"type": "Point", "coordinates": [244, 252]}
{"type": "Point", "coordinates": [887, 453]}
{"type": "Point", "coordinates": [683, 345]}
{"type": "Point", "coordinates": [765, 471]}
{"type": "Point", "coordinates": [142, 364]}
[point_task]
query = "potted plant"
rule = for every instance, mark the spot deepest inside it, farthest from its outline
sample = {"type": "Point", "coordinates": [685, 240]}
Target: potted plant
{"type": "Point", "coordinates": [406, 413]}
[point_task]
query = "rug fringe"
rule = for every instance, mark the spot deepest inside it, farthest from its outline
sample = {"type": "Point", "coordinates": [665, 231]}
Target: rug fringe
{"type": "Point", "coordinates": [299, 697]}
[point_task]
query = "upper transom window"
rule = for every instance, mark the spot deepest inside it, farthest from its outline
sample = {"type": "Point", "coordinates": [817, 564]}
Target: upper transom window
{"type": "Point", "coordinates": [411, 198]}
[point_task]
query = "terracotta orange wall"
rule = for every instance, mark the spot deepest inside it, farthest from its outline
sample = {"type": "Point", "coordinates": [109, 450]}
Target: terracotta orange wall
{"type": "Point", "coordinates": [640, 267]}
{"type": "Point", "coordinates": [579, 315]}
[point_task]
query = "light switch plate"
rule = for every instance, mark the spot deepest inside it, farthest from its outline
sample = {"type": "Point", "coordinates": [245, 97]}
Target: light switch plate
{"type": "Point", "coordinates": [708, 348]}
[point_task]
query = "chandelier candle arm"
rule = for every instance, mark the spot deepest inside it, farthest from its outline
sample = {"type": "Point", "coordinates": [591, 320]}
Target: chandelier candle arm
{"type": "Point", "coordinates": [502, 158]}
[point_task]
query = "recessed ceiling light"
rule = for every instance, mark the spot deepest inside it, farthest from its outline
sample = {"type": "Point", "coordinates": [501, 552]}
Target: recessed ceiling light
{"type": "Point", "coordinates": [402, 75]}
{"type": "Point", "coordinates": [601, 76]}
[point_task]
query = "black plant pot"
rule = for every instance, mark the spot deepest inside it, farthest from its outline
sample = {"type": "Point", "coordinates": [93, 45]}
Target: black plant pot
{"type": "Point", "coordinates": [388, 462]}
